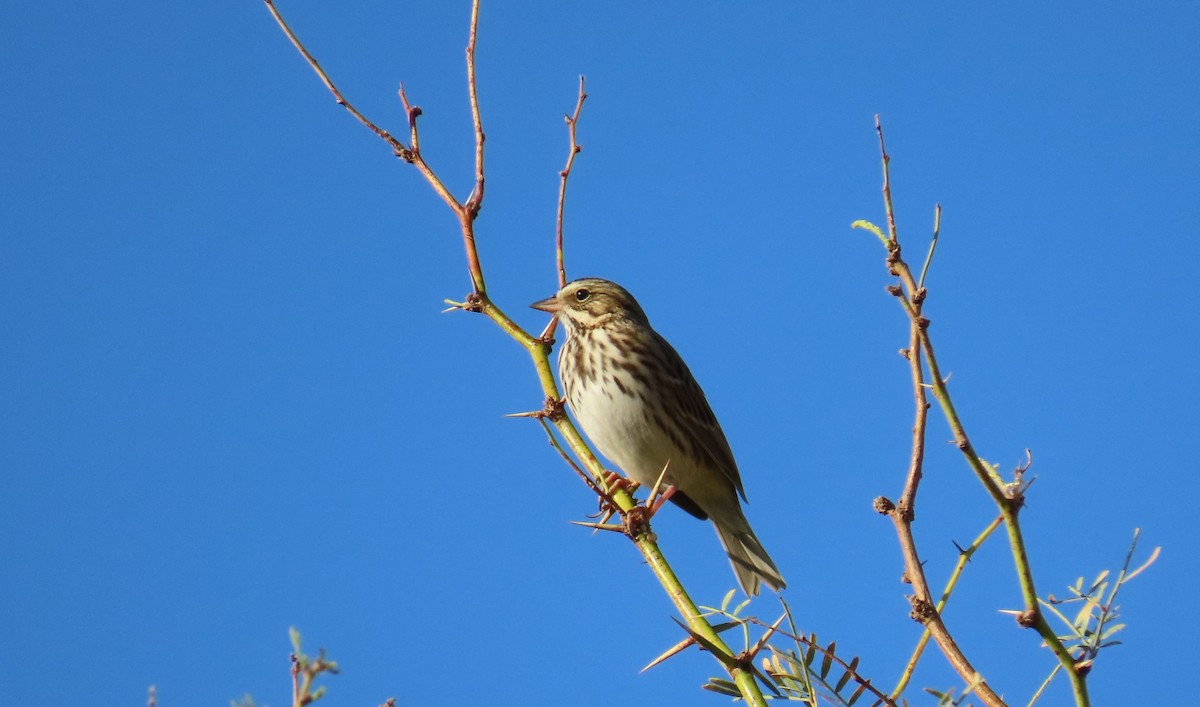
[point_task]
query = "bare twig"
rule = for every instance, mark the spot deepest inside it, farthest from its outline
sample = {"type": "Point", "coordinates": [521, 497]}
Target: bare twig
{"type": "Point", "coordinates": [476, 199]}
{"type": "Point", "coordinates": [572, 121]}
{"type": "Point", "coordinates": [296, 681]}
{"type": "Point", "coordinates": [937, 228]}
{"type": "Point", "coordinates": [908, 497]}
{"type": "Point", "coordinates": [887, 185]}
{"type": "Point", "coordinates": [397, 147]}
{"type": "Point", "coordinates": [416, 159]}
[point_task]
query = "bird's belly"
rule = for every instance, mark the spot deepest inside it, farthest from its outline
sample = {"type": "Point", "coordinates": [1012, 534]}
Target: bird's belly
{"type": "Point", "coordinates": [623, 432]}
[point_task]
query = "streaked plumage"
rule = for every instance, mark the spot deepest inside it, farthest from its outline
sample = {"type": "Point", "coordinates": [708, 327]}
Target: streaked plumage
{"type": "Point", "coordinates": [637, 401]}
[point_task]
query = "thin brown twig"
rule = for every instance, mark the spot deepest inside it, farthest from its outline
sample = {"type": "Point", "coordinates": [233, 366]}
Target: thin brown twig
{"type": "Point", "coordinates": [411, 113]}
{"type": "Point", "coordinates": [887, 184]}
{"type": "Point", "coordinates": [908, 497]}
{"type": "Point", "coordinates": [295, 681]}
{"type": "Point", "coordinates": [559, 256]}
{"type": "Point", "coordinates": [572, 121]}
{"type": "Point", "coordinates": [470, 209]}
{"type": "Point", "coordinates": [476, 199]}
{"type": "Point", "coordinates": [416, 159]}
{"type": "Point", "coordinates": [397, 147]}
{"type": "Point", "coordinates": [412, 154]}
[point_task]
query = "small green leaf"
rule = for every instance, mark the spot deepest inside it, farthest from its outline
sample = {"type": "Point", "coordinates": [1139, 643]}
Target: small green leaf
{"type": "Point", "coordinates": [868, 226]}
{"type": "Point", "coordinates": [846, 677]}
{"type": "Point", "coordinates": [1084, 616]}
{"type": "Point", "coordinates": [723, 687]}
{"type": "Point", "coordinates": [1055, 611]}
{"type": "Point", "coordinates": [827, 663]}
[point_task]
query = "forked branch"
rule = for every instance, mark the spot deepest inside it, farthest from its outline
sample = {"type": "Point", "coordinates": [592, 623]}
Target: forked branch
{"type": "Point", "coordinates": [1009, 498]}
{"type": "Point", "coordinates": [466, 212]}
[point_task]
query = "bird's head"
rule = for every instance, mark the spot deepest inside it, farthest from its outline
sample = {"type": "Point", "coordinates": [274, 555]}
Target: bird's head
{"type": "Point", "coordinates": [591, 302]}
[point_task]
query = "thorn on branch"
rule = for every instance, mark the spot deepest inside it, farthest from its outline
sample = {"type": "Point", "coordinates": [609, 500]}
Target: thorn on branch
{"type": "Point", "coordinates": [905, 353]}
{"type": "Point", "coordinates": [600, 526]}
{"type": "Point", "coordinates": [473, 303]}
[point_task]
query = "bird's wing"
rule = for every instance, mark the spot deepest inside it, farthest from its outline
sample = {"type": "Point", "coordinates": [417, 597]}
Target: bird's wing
{"type": "Point", "coordinates": [697, 423]}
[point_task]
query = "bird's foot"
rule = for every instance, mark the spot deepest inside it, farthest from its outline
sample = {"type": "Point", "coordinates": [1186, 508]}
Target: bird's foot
{"type": "Point", "coordinates": [614, 482]}
{"type": "Point", "coordinates": [657, 500]}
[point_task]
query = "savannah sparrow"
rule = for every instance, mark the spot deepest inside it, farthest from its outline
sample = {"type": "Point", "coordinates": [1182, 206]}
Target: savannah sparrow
{"type": "Point", "coordinates": [638, 402]}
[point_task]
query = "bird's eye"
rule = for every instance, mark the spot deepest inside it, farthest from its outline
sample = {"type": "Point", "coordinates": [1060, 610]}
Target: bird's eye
{"type": "Point", "coordinates": [582, 294]}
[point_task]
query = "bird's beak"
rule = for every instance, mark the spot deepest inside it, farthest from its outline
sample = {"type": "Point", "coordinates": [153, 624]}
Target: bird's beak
{"type": "Point", "coordinates": [550, 304]}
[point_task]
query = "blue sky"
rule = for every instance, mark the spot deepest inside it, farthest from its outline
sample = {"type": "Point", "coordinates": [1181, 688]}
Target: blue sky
{"type": "Point", "coordinates": [229, 403]}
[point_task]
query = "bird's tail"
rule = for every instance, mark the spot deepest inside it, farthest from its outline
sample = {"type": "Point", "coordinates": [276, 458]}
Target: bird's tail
{"type": "Point", "coordinates": [750, 561]}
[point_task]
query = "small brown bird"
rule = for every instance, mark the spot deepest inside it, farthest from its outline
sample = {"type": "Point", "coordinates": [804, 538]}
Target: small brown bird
{"type": "Point", "coordinates": [637, 401]}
